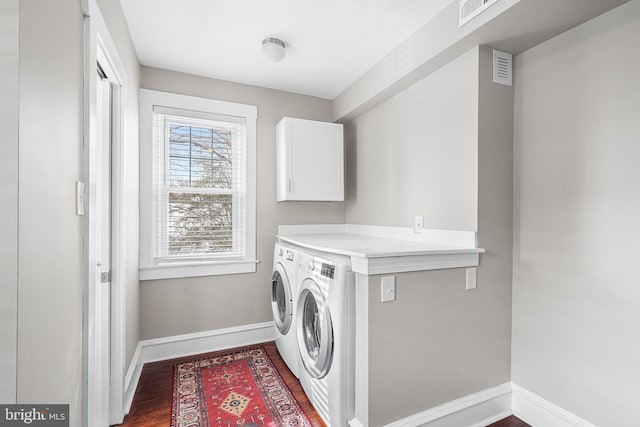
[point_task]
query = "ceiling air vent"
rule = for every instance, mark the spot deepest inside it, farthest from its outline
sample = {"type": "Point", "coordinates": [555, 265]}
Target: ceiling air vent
{"type": "Point", "coordinates": [469, 9]}
{"type": "Point", "coordinates": [502, 68]}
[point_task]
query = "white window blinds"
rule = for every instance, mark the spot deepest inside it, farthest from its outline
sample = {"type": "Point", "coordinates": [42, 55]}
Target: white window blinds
{"type": "Point", "coordinates": [199, 185]}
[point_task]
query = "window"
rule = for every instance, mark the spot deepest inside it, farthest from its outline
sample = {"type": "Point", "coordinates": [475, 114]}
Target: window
{"type": "Point", "coordinates": [197, 186]}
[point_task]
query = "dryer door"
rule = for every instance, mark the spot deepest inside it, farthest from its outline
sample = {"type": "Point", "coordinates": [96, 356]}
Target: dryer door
{"type": "Point", "coordinates": [281, 299]}
{"type": "Point", "coordinates": [315, 329]}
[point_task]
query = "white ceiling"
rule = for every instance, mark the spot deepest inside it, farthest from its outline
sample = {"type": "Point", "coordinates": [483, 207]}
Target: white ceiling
{"type": "Point", "coordinates": [330, 43]}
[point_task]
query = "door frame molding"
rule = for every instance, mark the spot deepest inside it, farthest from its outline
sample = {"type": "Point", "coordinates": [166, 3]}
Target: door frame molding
{"type": "Point", "coordinates": [100, 48]}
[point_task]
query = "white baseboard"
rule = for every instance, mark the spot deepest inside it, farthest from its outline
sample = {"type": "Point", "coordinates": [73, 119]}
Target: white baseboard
{"type": "Point", "coordinates": [539, 412]}
{"type": "Point", "coordinates": [475, 410]}
{"type": "Point", "coordinates": [158, 349]}
{"type": "Point", "coordinates": [488, 406]}
{"type": "Point", "coordinates": [131, 378]}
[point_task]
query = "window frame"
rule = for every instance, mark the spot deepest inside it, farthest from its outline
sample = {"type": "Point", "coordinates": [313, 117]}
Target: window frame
{"type": "Point", "coordinates": [175, 267]}
{"type": "Point", "coordinates": [163, 191]}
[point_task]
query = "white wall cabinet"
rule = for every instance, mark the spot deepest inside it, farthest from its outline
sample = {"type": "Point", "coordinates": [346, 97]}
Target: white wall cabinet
{"type": "Point", "coordinates": [309, 160]}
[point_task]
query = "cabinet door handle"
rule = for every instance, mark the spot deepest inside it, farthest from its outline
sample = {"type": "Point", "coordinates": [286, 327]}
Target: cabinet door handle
{"type": "Point", "coordinates": [290, 183]}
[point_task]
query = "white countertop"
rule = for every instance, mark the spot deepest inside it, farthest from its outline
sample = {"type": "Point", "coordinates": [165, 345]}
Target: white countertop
{"type": "Point", "coordinates": [373, 251]}
{"type": "Point", "coordinates": [356, 245]}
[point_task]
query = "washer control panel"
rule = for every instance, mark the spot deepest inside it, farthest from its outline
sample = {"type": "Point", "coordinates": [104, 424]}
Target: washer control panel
{"type": "Point", "coordinates": [327, 270]}
{"type": "Point", "coordinates": [322, 268]}
{"type": "Point", "coordinates": [287, 254]}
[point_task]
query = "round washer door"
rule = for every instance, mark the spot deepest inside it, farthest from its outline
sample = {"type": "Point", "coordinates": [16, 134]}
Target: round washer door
{"type": "Point", "coordinates": [281, 299]}
{"type": "Point", "coordinates": [315, 330]}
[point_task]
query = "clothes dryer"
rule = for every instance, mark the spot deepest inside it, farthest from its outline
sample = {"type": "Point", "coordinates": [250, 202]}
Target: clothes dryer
{"type": "Point", "coordinates": [325, 328]}
{"type": "Point", "coordinates": [284, 290]}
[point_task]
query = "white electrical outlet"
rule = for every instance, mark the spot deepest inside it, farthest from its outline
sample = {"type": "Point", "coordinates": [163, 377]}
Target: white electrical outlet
{"type": "Point", "coordinates": [418, 224]}
{"type": "Point", "coordinates": [388, 289]}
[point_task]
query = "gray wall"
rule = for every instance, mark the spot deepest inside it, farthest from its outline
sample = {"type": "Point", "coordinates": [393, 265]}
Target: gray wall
{"type": "Point", "coordinates": [50, 257]}
{"type": "Point", "coordinates": [9, 196]}
{"type": "Point", "coordinates": [416, 154]}
{"type": "Point", "coordinates": [179, 306]}
{"type": "Point", "coordinates": [50, 234]}
{"type": "Point", "coordinates": [114, 18]}
{"type": "Point", "coordinates": [495, 210]}
{"type": "Point", "coordinates": [576, 320]}
{"type": "Point", "coordinates": [452, 342]}
{"type": "Point", "coordinates": [454, 131]}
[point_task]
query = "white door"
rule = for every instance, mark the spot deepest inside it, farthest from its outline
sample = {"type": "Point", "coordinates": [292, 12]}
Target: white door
{"type": "Point", "coordinates": [315, 330]}
{"type": "Point", "coordinates": [105, 239]}
{"type": "Point", "coordinates": [309, 160]}
{"type": "Point", "coordinates": [281, 299]}
{"type": "Point", "coordinates": [103, 251]}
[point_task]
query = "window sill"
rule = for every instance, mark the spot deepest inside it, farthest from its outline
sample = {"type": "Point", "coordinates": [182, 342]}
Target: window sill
{"type": "Point", "coordinates": [196, 269]}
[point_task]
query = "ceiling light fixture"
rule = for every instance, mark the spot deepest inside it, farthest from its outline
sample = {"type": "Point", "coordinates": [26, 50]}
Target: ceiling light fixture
{"type": "Point", "coordinates": [273, 49]}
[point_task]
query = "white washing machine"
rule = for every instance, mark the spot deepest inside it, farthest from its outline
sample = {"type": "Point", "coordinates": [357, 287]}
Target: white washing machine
{"type": "Point", "coordinates": [284, 291]}
{"type": "Point", "coordinates": [325, 327]}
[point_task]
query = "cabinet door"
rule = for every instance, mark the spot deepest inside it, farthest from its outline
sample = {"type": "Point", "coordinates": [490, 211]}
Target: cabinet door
{"type": "Point", "coordinates": [315, 160]}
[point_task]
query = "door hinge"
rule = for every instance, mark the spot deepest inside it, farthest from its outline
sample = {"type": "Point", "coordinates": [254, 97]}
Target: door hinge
{"type": "Point", "coordinates": [105, 277]}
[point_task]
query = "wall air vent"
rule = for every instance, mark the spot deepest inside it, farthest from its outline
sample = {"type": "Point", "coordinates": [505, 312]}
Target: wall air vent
{"type": "Point", "coordinates": [502, 68]}
{"type": "Point", "coordinates": [469, 9]}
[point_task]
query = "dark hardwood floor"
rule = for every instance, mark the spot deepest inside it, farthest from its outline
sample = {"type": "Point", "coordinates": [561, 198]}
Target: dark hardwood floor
{"type": "Point", "coordinates": [152, 402]}
{"type": "Point", "coordinates": [511, 421]}
{"type": "Point", "coordinates": [151, 405]}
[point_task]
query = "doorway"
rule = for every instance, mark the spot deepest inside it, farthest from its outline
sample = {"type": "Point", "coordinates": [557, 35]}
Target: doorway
{"type": "Point", "coordinates": [102, 295]}
{"type": "Point", "coordinates": [105, 93]}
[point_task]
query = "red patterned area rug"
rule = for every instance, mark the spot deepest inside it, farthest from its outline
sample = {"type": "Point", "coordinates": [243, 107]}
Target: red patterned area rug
{"type": "Point", "coordinates": [234, 389]}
